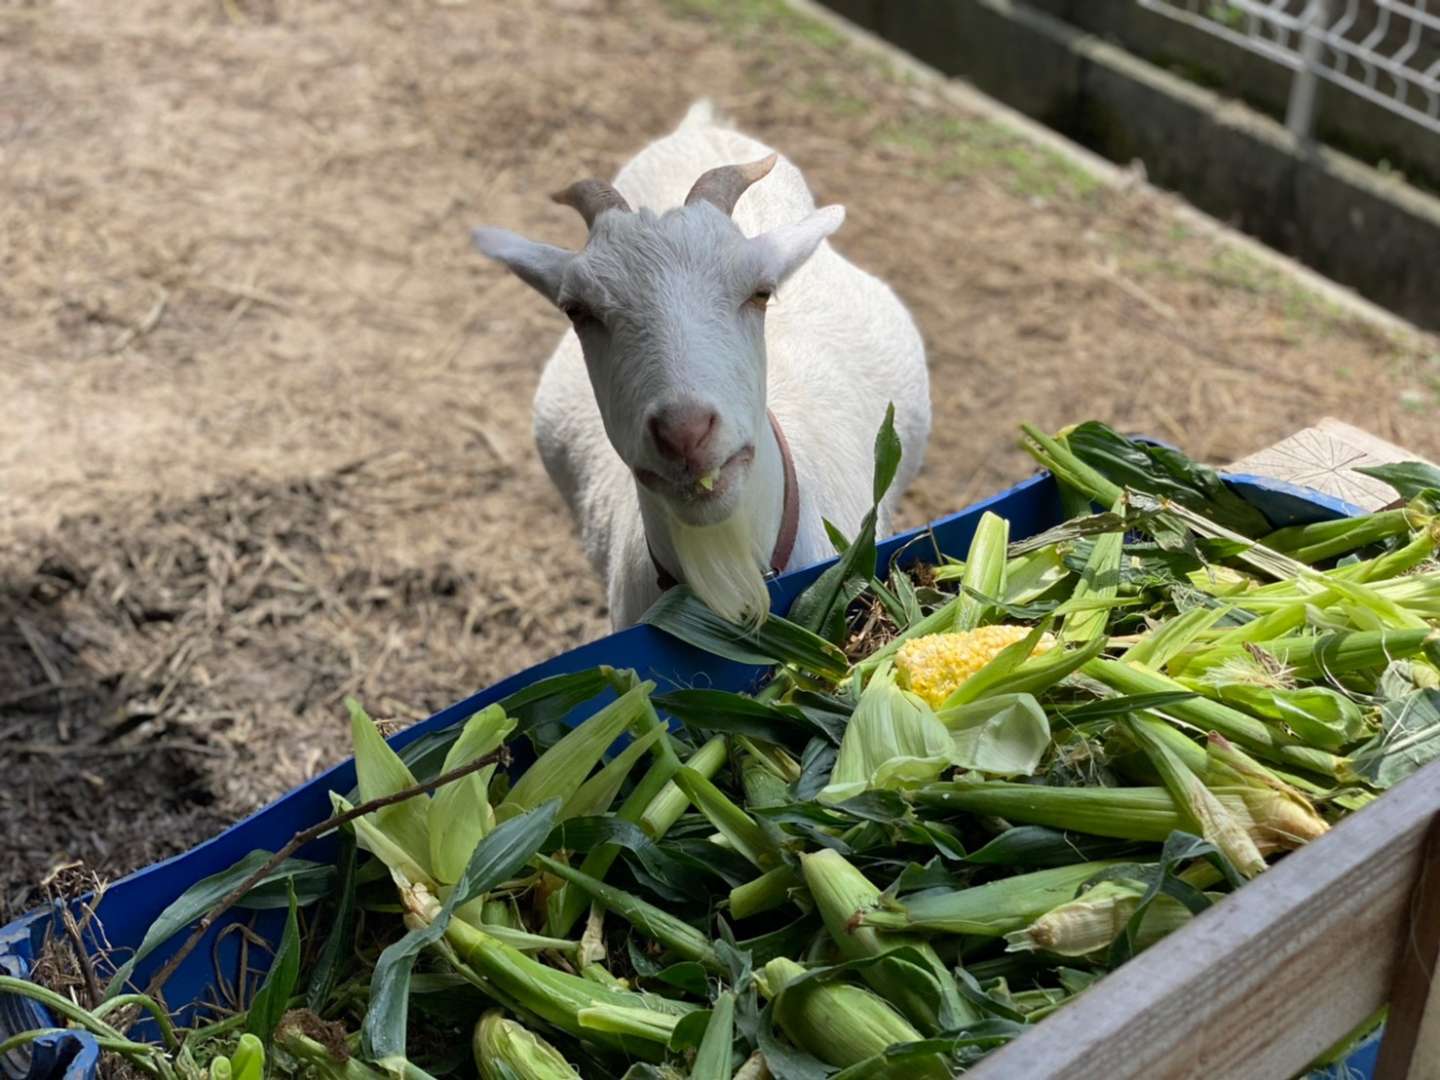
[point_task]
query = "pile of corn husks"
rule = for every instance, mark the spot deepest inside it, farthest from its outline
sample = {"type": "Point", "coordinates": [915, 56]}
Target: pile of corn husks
{"type": "Point", "coordinates": [961, 792]}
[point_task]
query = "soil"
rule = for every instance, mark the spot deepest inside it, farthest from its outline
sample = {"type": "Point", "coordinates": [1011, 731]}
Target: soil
{"type": "Point", "coordinates": [266, 414]}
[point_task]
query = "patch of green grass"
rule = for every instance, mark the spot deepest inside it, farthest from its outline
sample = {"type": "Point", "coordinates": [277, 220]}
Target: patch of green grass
{"type": "Point", "coordinates": [742, 18]}
{"type": "Point", "coordinates": [823, 91]}
{"type": "Point", "coordinates": [956, 148]}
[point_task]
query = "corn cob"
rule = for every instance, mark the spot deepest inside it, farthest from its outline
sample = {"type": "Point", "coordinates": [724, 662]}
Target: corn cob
{"type": "Point", "coordinates": [839, 1023]}
{"type": "Point", "coordinates": [1095, 919]}
{"type": "Point", "coordinates": [507, 1050]}
{"type": "Point", "coordinates": [842, 893]}
{"type": "Point", "coordinates": [935, 666]}
{"type": "Point", "coordinates": [990, 910]}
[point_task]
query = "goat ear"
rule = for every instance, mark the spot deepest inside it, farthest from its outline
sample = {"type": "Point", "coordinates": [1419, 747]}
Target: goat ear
{"type": "Point", "coordinates": [784, 250]}
{"type": "Point", "coordinates": [538, 265]}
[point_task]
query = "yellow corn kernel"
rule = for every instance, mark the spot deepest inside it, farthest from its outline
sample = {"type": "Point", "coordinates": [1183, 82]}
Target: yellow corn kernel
{"type": "Point", "coordinates": [935, 665]}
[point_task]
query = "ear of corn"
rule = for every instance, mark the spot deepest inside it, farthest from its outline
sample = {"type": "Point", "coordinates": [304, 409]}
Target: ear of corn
{"type": "Point", "coordinates": [839, 1023]}
{"type": "Point", "coordinates": [673, 933]}
{"type": "Point", "coordinates": [984, 572]}
{"type": "Point", "coordinates": [1094, 920]}
{"type": "Point", "coordinates": [990, 910]}
{"type": "Point", "coordinates": [1203, 813]}
{"type": "Point", "coordinates": [1325, 539]}
{"type": "Point", "coordinates": [842, 894]}
{"type": "Point", "coordinates": [764, 893]}
{"type": "Point", "coordinates": [507, 1050]}
{"type": "Point", "coordinates": [937, 666]}
{"type": "Point", "coordinates": [1100, 580]}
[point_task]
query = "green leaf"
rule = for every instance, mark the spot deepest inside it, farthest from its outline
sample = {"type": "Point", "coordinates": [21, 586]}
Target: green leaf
{"type": "Point", "coordinates": [342, 926]}
{"type": "Point", "coordinates": [682, 614]}
{"type": "Point", "coordinates": [821, 607]}
{"type": "Point", "coordinates": [496, 859]}
{"type": "Point", "coordinates": [1409, 739]}
{"type": "Point", "coordinates": [271, 1000]}
{"type": "Point", "coordinates": [1038, 846]}
{"type": "Point", "coordinates": [195, 902]}
{"type": "Point", "coordinates": [1123, 705]}
{"type": "Point", "coordinates": [1164, 474]}
{"type": "Point", "coordinates": [596, 794]}
{"type": "Point", "coordinates": [737, 714]}
{"type": "Point", "coordinates": [1409, 478]}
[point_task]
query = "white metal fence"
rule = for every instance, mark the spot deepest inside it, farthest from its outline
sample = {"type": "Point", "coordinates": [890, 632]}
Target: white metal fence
{"type": "Point", "coordinates": [1386, 51]}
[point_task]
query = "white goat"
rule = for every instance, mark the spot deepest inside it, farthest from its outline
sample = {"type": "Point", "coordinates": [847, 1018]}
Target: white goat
{"type": "Point", "coordinates": [651, 415]}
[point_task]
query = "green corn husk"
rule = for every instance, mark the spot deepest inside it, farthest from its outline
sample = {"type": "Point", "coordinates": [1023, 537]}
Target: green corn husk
{"type": "Point", "coordinates": [1021, 672]}
{"type": "Point", "coordinates": [990, 910]}
{"type": "Point", "coordinates": [1201, 810]}
{"type": "Point", "coordinates": [1213, 716]}
{"type": "Point", "coordinates": [1100, 580]}
{"type": "Point", "coordinates": [220, 1068]}
{"type": "Point", "coordinates": [1093, 921]}
{"type": "Point", "coordinates": [736, 826]}
{"type": "Point", "coordinates": [248, 1061]}
{"type": "Point", "coordinates": [1319, 715]}
{"type": "Point", "coordinates": [554, 996]}
{"type": "Point", "coordinates": [459, 814]}
{"type": "Point", "coordinates": [1144, 814]}
{"type": "Point", "coordinates": [985, 567]}
{"type": "Point", "coordinates": [651, 797]}
{"type": "Point", "coordinates": [764, 893]}
{"type": "Point", "coordinates": [671, 803]}
{"type": "Point", "coordinates": [1319, 656]}
{"type": "Point", "coordinates": [1157, 648]}
{"type": "Point", "coordinates": [712, 1060]}
{"type": "Point", "coordinates": [841, 893]}
{"type": "Point", "coordinates": [839, 1023]}
{"type": "Point", "coordinates": [563, 768]}
{"type": "Point", "coordinates": [1324, 539]}
{"type": "Point", "coordinates": [596, 794]}
{"type": "Point", "coordinates": [675, 934]}
{"type": "Point", "coordinates": [893, 740]}
{"type": "Point", "coordinates": [507, 1050]}
{"type": "Point", "coordinates": [400, 832]}
{"type": "Point", "coordinates": [1068, 468]}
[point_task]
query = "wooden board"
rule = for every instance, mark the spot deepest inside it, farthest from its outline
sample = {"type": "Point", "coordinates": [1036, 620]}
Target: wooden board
{"type": "Point", "coordinates": [1262, 984]}
{"type": "Point", "coordinates": [1324, 457]}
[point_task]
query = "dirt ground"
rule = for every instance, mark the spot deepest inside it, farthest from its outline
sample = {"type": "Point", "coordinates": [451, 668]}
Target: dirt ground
{"type": "Point", "coordinates": [266, 414]}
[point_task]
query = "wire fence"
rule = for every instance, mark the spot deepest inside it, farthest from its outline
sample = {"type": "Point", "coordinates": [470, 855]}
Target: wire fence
{"type": "Point", "coordinates": [1385, 51]}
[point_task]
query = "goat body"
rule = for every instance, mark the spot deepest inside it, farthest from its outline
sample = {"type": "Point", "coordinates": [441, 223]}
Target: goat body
{"type": "Point", "coordinates": [838, 347]}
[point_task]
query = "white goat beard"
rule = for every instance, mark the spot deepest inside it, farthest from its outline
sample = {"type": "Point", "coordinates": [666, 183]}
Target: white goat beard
{"type": "Point", "coordinates": [722, 563]}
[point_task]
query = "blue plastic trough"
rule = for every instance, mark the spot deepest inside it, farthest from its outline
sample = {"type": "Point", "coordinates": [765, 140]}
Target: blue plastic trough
{"type": "Point", "coordinates": [130, 905]}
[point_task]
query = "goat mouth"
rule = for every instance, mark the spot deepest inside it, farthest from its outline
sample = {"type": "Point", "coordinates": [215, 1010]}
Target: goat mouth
{"type": "Point", "coordinates": [707, 487]}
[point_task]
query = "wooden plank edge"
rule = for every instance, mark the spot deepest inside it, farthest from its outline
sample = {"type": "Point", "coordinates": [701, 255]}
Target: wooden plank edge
{"type": "Point", "coordinates": [1411, 1047]}
{"type": "Point", "coordinates": [1261, 984]}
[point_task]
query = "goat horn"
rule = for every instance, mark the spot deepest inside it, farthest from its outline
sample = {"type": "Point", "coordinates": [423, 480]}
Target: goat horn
{"type": "Point", "coordinates": [590, 197]}
{"type": "Point", "coordinates": [722, 187]}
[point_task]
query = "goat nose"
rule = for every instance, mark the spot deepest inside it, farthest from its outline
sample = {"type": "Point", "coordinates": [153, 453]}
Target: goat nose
{"type": "Point", "coordinates": [681, 432]}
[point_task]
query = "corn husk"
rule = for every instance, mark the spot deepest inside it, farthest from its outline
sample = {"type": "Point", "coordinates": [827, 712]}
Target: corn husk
{"type": "Point", "coordinates": [842, 894]}
{"type": "Point", "coordinates": [893, 740]}
{"type": "Point", "coordinates": [839, 1023]}
{"type": "Point", "coordinates": [1093, 921]}
{"type": "Point", "coordinates": [990, 910]}
{"type": "Point", "coordinates": [507, 1050]}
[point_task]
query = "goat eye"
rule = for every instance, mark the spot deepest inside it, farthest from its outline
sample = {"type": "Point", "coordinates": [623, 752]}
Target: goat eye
{"type": "Point", "coordinates": [759, 298]}
{"type": "Point", "coordinates": [578, 313]}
